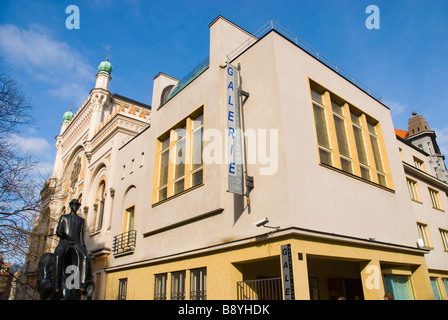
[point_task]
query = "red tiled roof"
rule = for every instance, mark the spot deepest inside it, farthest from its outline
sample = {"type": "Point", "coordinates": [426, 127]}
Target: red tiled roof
{"type": "Point", "coordinates": [402, 133]}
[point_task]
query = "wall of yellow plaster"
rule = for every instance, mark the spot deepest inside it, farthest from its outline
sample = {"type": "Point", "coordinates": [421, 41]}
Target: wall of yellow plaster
{"type": "Point", "coordinates": [227, 266]}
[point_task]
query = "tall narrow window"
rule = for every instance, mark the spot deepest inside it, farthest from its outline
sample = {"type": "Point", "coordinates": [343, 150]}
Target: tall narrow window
{"type": "Point", "coordinates": [178, 285]}
{"type": "Point", "coordinates": [160, 286]}
{"type": "Point", "coordinates": [197, 145]}
{"type": "Point", "coordinates": [128, 241]}
{"type": "Point", "coordinates": [100, 198]}
{"type": "Point", "coordinates": [435, 199]}
{"type": "Point", "coordinates": [377, 154]}
{"type": "Point", "coordinates": [360, 146]}
{"type": "Point", "coordinates": [179, 160]}
{"type": "Point", "coordinates": [142, 158]}
{"type": "Point", "coordinates": [163, 173]}
{"type": "Point", "coordinates": [198, 284]}
{"type": "Point", "coordinates": [129, 223]}
{"type": "Point", "coordinates": [321, 127]}
{"type": "Point", "coordinates": [435, 288]}
{"type": "Point", "coordinates": [413, 190]}
{"type": "Point", "coordinates": [444, 235]}
{"type": "Point", "coordinates": [424, 234]}
{"type": "Point", "coordinates": [341, 134]}
{"type": "Point", "coordinates": [122, 288]}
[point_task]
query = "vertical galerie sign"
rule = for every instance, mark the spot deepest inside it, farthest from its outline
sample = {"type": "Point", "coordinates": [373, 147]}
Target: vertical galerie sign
{"type": "Point", "coordinates": [234, 148]}
{"type": "Point", "coordinates": [288, 278]}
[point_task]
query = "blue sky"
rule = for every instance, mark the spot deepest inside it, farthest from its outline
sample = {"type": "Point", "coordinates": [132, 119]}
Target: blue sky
{"type": "Point", "coordinates": [404, 61]}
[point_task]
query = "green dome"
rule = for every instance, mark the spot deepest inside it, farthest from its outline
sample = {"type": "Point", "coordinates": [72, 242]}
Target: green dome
{"type": "Point", "coordinates": [68, 116]}
{"type": "Point", "coordinates": [105, 67]}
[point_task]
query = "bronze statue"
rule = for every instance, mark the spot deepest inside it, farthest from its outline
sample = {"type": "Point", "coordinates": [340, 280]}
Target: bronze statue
{"type": "Point", "coordinates": [66, 274]}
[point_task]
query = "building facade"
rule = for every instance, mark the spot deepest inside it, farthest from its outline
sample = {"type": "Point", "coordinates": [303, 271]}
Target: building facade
{"type": "Point", "coordinates": [86, 153]}
{"type": "Point", "coordinates": [324, 177]}
{"type": "Point", "coordinates": [426, 179]}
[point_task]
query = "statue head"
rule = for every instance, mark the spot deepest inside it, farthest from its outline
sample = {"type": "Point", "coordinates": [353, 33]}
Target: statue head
{"type": "Point", "coordinates": [74, 205]}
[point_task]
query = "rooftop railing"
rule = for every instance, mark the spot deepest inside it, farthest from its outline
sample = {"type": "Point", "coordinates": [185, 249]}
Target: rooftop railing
{"type": "Point", "coordinates": [272, 25]}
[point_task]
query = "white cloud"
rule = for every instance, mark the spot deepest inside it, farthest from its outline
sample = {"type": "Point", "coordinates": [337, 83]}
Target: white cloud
{"type": "Point", "coordinates": [40, 149]}
{"type": "Point", "coordinates": [32, 145]}
{"type": "Point", "coordinates": [35, 50]}
{"type": "Point", "coordinates": [396, 107]}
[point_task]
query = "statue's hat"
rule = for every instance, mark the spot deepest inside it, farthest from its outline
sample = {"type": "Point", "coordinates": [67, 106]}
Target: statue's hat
{"type": "Point", "coordinates": [75, 201]}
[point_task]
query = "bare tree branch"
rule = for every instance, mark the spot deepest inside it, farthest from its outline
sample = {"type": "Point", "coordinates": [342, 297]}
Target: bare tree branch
{"type": "Point", "coordinates": [19, 184]}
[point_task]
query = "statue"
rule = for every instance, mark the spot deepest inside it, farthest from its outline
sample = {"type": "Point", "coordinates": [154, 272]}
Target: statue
{"type": "Point", "coordinates": [66, 274]}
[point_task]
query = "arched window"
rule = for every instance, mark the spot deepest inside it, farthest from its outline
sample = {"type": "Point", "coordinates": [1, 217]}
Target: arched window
{"type": "Point", "coordinates": [74, 175]}
{"type": "Point", "coordinates": [99, 204]}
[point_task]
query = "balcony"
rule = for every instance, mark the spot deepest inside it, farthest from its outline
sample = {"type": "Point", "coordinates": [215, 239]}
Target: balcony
{"type": "Point", "coordinates": [124, 243]}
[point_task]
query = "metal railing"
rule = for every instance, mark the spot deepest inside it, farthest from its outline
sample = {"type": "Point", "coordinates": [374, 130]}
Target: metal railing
{"type": "Point", "coordinates": [272, 25]}
{"type": "Point", "coordinates": [124, 242]}
{"type": "Point", "coordinates": [198, 295]}
{"type": "Point", "coordinates": [264, 289]}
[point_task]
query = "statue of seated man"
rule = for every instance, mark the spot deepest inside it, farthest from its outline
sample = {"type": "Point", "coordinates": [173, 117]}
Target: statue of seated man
{"type": "Point", "coordinates": [70, 230]}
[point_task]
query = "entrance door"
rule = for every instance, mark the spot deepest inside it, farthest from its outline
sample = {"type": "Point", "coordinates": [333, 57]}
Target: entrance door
{"type": "Point", "coordinates": [350, 289]}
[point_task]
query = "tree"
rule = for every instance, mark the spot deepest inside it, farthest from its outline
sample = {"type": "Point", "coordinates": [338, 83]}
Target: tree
{"type": "Point", "coordinates": [19, 184]}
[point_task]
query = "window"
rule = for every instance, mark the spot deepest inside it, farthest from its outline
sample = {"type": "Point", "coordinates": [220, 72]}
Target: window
{"type": "Point", "coordinates": [122, 288]}
{"type": "Point", "coordinates": [419, 164]}
{"type": "Point", "coordinates": [400, 286]}
{"type": "Point", "coordinates": [435, 288]}
{"type": "Point", "coordinates": [445, 284]}
{"type": "Point", "coordinates": [129, 219]}
{"type": "Point", "coordinates": [180, 164]}
{"type": "Point", "coordinates": [321, 127]}
{"type": "Point", "coordinates": [178, 285]}
{"type": "Point", "coordinates": [377, 154]}
{"type": "Point", "coordinates": [413, 190]}
{"type": "Point", "coordinates": [160, 286]}
{"type": "Point", "coordinates": [360, 146]}
{"type": "Point", "coordinates": [197, 146]}
{"type": "Point", "coordinates": [435, 199]}
{"type": "Point", "coordinates": [163, 173]}
{"type": "Point", "coordinates": [348, 139]}
{"type": "Point", "coordinates": [74, 175]}
{"type": "Point", "coordinates": [423, 234]}
{"type": "Point", "coordinates": [142, 158]}
{"type": "Point", "coordinates": [99, 204]}
{"type": "Point", "coordinates": [341, 135]}
{"type": "Point", "coordinates": [132, 165]}
{"type": "Point", "coordinates": [179, 167]}
{"type": "Point", "coordinates": [198, 284]}
{"type": "Point", "coordinates": [444, 235]}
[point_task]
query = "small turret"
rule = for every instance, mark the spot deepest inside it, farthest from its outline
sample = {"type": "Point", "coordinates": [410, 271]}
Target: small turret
{"type": "Point", "coordinates": [417, 124]}
{"type": "Point", "coordinates": [67, 117]}
{"type": "Point", "coordinates": [103, 76]}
